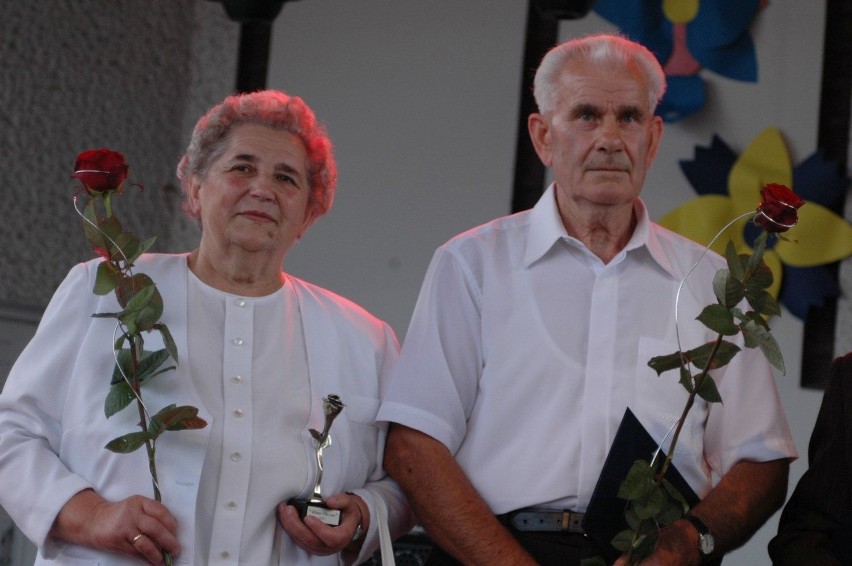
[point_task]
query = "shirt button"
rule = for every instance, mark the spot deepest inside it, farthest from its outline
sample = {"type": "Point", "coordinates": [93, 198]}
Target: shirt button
{"type": "Point", "coordinates": [225, 554]}
{"type": "Point", "coordinates": [231, 505]}
{"type": "Point", "coordinates": [236, 457]}
{"type": "Point", "coordinates": [240, 302]}
{"type": "Point", "coordinates": [237, 341]}
{"type": "Point", "coordinates": [238, 413]}
{"type": "Point", "coordinates": [237, 379]}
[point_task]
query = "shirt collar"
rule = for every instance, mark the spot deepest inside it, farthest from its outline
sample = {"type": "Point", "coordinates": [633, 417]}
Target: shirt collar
{"type": "Point", "coordinates": [546, 229]}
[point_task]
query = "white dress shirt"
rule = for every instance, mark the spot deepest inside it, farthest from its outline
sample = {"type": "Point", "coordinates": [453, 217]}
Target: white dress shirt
{"type": "Point", "coordinates": [524, 350]}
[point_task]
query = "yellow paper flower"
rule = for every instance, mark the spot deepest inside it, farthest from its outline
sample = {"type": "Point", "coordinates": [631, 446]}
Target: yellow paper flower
{"type": "Point", "coordinates": [766, 160]}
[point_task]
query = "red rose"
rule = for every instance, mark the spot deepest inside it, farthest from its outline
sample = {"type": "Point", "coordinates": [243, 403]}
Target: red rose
{"type": "Point", "coordinates": [778, 211]}
{"type": "Point", "coordinates": [100, 170]}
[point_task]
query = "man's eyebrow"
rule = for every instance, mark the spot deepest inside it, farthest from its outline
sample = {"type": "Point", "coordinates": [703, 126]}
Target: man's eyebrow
{"type": "Point", "coordinates": [631, 109]}
{"type": "Point", "coordinates": [585, 108]}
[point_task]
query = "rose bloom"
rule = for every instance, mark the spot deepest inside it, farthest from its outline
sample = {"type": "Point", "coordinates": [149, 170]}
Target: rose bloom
{"type": "Point", "coordinates": [332, 405]}
{"type": "Point", "coordinates": [100, 170]}
{"type": "Point", "coordinates": [778, 210]}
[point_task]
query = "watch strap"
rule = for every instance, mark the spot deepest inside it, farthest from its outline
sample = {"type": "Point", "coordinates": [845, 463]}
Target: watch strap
{"type": "Point", "coordinates": [698, 524]}
{"type": "Point", "coordinates": [706, 540]}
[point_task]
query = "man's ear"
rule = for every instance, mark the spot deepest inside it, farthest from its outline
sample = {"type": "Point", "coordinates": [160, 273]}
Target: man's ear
{"type": "Point", "coordinates": [655, 137]}
{"type": "Point", "coordinates": [539, 129]}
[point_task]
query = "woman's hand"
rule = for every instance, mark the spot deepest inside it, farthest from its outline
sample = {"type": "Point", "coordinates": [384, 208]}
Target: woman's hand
{"type": "Point", "coordinates": [320, 539]}
{"type": "Point", "coordinates": [136, 526]}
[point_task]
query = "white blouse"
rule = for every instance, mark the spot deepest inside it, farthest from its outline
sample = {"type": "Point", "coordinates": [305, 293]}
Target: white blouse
{"type": "Point", "coordinates": [248, 362]}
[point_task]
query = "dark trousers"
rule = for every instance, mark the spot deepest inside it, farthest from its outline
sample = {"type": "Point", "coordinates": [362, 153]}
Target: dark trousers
{"type": "Point", "coordinates": [547, 548]}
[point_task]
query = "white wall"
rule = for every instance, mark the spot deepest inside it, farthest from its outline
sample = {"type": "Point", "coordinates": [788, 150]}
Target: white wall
{"type": "Point", "coordinates": [421, 99]}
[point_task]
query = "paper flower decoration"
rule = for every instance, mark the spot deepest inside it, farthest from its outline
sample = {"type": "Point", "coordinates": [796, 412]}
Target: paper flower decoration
{"type": "Point", "coordinates": [686, 36]}
{"type": "Point", "coordinates": [728, 184]}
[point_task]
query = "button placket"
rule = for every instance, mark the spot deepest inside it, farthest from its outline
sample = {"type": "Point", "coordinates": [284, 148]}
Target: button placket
{"type": "Point", "coordinates": [237, 433]}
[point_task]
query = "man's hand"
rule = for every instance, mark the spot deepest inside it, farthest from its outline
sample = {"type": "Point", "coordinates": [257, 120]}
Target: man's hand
{"type": "Point", "coordinates": [317, 538]}
{"type": "Point", "coordinates": [734, 509]}
{"type": "Point", "coordinates": [678, 546]}
{"type": "Point", "coordinates": [137, 526]}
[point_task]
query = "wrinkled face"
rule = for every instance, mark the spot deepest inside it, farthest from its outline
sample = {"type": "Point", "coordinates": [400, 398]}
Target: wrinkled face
{"type": "Point", "coordinates": [255, 195]}
{"type": "Point", "coordinates": [601, 136]}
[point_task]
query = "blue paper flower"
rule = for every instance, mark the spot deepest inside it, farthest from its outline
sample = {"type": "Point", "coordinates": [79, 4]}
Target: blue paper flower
{"type": "Point", "coordinates": [711, 33]}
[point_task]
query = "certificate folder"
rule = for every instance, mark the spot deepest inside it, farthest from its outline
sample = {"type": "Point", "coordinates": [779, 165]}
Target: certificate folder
{"type": "Point", "coordinates": [604, 516]}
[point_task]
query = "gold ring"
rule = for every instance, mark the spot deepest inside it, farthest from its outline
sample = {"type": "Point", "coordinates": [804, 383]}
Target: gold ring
{"type": "Point", "coordinates": [137, 537]}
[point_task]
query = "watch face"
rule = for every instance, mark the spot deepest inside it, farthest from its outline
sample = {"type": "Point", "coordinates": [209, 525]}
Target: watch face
{"type": "Point", "coordinates": [706, 543]}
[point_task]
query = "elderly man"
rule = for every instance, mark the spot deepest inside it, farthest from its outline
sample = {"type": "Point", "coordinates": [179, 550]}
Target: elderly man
{"type": "Point", "coordinates": [532, 334]}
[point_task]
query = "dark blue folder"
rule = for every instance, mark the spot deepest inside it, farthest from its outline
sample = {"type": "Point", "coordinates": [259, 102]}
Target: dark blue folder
{"type": "Point", "coordinates": [604, 516]}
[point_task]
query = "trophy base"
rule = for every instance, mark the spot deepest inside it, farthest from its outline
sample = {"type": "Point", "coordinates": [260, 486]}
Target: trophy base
{"type": "Point", "coordinates": [316, 509]}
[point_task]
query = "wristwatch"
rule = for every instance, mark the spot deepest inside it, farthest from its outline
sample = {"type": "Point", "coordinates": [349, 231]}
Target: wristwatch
{"type": "Point", "coordinates": [706, 542]}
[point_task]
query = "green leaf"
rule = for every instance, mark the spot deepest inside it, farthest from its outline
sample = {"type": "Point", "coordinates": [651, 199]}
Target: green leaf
{"type": "Point", "coordinates": [142, 302]}
{"type": "Point", "coordinates": [763, 302]}
{"type": "Point", "coordinates": [149, 366]}
{"type": "Point", "coordinates": [736, 263]}
{"type": "Point", "coordinates": [638, 482]}
{"type": "Point", "coordinates": [760, 279]}
{"type": "Point", "coordinates": [718, 319]}
{"type": "Point", "coordinates": [686, 379]}
{"type": "Point", "coordinates": [117, 315]}
{"type": "Point", "coordinates": [168, 341]}
{"type": "Point", "coordinates": [120, 396]}
{"type": "Point", "coordinates": [700, 355]}
{"type": "Point", "coordinates": [652, 503]}
{"type": "Point", "coordinates": [757, 257]}
{"type": "Point", "coordinates": [622, 540]}
{"type": "Point", "coordinates": [671, 512]}
{"type": "Point", "coordinates": [665, 363]}
{"type": "Point", "coordinates": [132, 286]}
{"type": "Point", "coordinates": [754, 333]}
{"type": "Point", "coordinates": [728, 290]}
{"type": "Point", "coordinates": [107, 278]}
{"type": "Point", "coordinates": [141, 249]}
{"type": "Point", "coordinates": [124, 246]}
{"type": "Point", "coordinates": [754, 317]}
{"type": "Point", "coordinates": [178, 418]}
{"type": "Point", "coordinates": [140, 299]}
{"type": "Point", "coordinates": [631, 518]}
{"type": "Point", "coordinates": [708, 391]}
{"type": "Point", "coordinates": [127, 443]}
{"type": "Point", "coordinates": [676, 496]}
{"type": "Point", "coordinates": [151, 362]}
{"type": "Point", "coordinates": [123, 363]}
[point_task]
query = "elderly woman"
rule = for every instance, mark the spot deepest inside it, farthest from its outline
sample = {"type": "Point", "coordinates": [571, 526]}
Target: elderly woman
{"type": "Point", "coordinates": [259, 350]}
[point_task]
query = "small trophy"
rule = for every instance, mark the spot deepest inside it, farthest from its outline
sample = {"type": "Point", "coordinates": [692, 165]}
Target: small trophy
{"type": "Point", "coordinates": [316, 506]}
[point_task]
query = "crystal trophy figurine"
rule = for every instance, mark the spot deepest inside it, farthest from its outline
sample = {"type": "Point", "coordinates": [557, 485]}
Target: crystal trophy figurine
{"type": "Point", "coordinates": [316, 506]}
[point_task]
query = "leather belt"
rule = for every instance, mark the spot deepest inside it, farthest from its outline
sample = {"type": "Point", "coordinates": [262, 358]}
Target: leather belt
{"type": "Point", "coordinates": [546, 520]}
